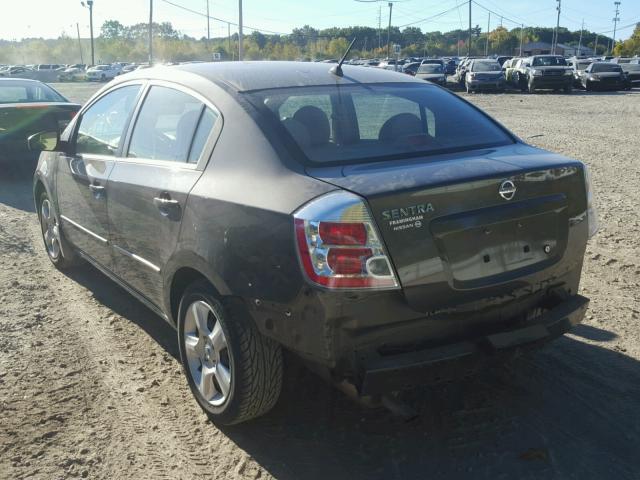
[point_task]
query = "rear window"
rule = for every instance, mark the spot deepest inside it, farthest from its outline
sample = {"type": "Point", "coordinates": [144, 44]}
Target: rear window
{"type": "Point", "coordinates": [485, 67]}
{"type": "Point", "coordinates": [430, 68]}
{"type": "Point", "coordinates": [548, 61]}
{"type": "Point", "coordinates": [362, 123]}
{"type": "Point", "coordinates": [604, 67]}
{"type": "Point", "coordinates": [26, 92]}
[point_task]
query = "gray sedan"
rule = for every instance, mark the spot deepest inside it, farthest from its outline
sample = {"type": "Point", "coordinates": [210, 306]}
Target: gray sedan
{"type": "Point", "coordinates": [373, 224]}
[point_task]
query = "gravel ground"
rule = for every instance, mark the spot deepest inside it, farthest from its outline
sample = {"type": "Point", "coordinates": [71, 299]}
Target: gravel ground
{"type": "Point", "coordinates": [90, 385]}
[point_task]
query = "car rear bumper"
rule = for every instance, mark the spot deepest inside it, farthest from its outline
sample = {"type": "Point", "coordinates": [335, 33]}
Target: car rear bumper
{"type": "Point", "coordinates": [395, 372]}
{"type": "Point", "coordinates": [559, 81]}
{"type": "Point", "coordinates": [487, 85]}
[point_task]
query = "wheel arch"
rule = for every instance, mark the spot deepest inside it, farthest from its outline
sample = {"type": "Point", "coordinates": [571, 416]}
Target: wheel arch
{"type": "Point", "coordinates": [184, 269]}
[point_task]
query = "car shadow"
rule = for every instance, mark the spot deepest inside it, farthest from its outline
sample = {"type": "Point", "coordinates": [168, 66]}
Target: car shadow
{"type": "Point", "coordinates": [114, 297]}
{"type": "Point", "coordinates": [560, 413]}
{"type": "Point", "coordinates": [15, 186]}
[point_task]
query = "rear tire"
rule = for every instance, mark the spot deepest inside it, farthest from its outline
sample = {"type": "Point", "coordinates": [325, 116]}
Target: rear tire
{"type": "Point", "coordinates": [59, 251]}
{"type": "Point", "coordinates": [568, 89]}
{"type": "Point", "coordinates": [244, 369]}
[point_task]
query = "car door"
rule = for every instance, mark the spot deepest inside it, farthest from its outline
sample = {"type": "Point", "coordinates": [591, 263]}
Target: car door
{"type": "Point", "coordinates": [168, 146]}
{"type": "Point", "coordinates": [82, 174]}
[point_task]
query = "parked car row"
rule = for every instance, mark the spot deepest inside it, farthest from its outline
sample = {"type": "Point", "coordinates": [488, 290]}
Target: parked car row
{"type": "Point", "coordinates": [69, 73]}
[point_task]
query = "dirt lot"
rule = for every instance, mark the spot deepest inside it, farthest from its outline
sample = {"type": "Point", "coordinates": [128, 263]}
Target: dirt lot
{"type": "Point", "coordinates": [90, 385]}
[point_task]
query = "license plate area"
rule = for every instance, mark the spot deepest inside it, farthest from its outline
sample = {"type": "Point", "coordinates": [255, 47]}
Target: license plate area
{"type": "Point", "coordinates": [495, 244]}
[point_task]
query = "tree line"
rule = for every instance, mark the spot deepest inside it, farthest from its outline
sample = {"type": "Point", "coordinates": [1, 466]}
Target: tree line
{"type": "Point", "coordinates": [129, 43]}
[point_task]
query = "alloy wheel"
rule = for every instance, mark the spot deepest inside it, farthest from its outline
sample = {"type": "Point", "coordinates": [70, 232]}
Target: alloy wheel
{"type": "Point", "coordinates": [50, 229]}
{"type": "Point", "coordinates": [207, 353]}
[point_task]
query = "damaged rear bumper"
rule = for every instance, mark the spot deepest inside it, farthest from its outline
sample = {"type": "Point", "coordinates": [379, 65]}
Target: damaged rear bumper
{"type": "Point", "coordinates": [400, 371]}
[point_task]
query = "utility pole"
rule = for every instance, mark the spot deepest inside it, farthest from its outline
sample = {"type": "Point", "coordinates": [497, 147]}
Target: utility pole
{"type": "Point", "coordinates": [79, 43]}
{"type": "Point", "coordinates": [240, 52]}
{"type": "Point", "coordinates": [616, 19]}
{"type": "Point", "coordinates": [208, 28]}
{"type": "Point", "coordinates": [89, 5]}
{"type": "Point", "coordinates": [595, 47]}
{"type": "Point", "coordinates": [379, 27]}
{"type": "Point", "coordinates": [150, 32]}
{"type": "Point", "coordinates": [555, 41]}
{"type": "Point", "coordinates": [389, 31]}
{"type": "Point", "coordinates": [580, 41]}
{"type": "Point", "coordinates": [521, 37]}
{"type": "Point", "coordinates": [229, 37]}
{"type": "Point", "coordinates": [458, 44]}
{"type": "Point", "coordinates": [486, 45]}
{"type": "Point", "coordinates": [469, 44]}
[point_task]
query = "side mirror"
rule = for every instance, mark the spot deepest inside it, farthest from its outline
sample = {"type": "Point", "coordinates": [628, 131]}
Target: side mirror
{"type": "Point", "coordinates": [47, 141]}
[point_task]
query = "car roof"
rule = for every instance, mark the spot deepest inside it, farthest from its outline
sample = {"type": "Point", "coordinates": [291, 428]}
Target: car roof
{"type": "Point", "coordinates": [260, 75]}
{"type": "Point", "coordinates": [25, 80]}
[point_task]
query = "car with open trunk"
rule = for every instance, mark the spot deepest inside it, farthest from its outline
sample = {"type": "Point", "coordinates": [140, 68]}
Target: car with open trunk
{"type": "Point", "coordinates": [375, 225]}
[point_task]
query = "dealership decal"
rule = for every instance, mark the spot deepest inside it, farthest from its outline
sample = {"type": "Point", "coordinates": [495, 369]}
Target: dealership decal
{"type": "Point", "coordinates": [407, 217]}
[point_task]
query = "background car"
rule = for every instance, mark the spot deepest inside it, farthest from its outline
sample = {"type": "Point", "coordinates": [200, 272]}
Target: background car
{"type": "Point", "coordinates": [632, 72]}
{"type": "Point", "coordinates": [432, 72]}
{"type": "Point", "coordinates": [578, 65]}
{"type": "Point", "coordinates": [17, 72]}
{"type": "Point", "coordinates": [604, 76]}
{"type": "Point", "coordinates": [549, 72]}
{"type": "Point", "coordinates": [484, 74]}
{"type": "Point", "coordinates": [411, 68]}
{"type": "Point", "coordinates": [102, 73]}
{"type": "Point", "coordinates": [28, 107]}
{"type": "Point", "coordinates": [72, 74]}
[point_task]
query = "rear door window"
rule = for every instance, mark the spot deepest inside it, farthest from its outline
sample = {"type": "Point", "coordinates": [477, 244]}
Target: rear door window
{"type": "Point", "coordinates": [165, 127]}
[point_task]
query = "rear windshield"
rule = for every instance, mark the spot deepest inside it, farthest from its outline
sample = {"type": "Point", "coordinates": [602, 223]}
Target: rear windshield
{"type": "Point", "coordinates": [548, 61]}
{"type": "Point", "coordinates": [370, 122]}
{"type": "Point", "coordinates": [582, 65]}
{"type": "Point", "coordinates": [430, 68]}
{"type": "Point", "coordinates": [604, 67]}
{"type": "Point", "coordinates": [485, 67]}
{"type": "Point", "coordinates": [26, 92]}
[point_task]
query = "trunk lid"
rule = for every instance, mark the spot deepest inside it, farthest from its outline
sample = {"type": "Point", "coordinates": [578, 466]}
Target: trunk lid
{"type": "Point", "coordinates": [453, 237]}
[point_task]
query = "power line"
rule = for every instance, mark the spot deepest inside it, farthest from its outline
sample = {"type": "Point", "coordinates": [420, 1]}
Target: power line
{"type": "Point", "coordinates": [497, 14]}
{"type": "Point", "coordinates": [202, 14]}
{"type": "Point", "coordinates": [424, 20]}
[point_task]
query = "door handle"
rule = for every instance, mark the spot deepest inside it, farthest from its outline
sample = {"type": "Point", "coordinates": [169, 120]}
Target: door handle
{"type": "Point", "coordinates": [165, 202]}
{"type": "Point", "coordinates": [98, 191]}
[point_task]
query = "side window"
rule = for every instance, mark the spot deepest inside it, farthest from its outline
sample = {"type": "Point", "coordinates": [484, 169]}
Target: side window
{"type": "Point", "coordinates": [102, 125]}
{"type": "Point", "coordinates": [207, 121]}
{"type": "Point", "coordinates": [165, 126]}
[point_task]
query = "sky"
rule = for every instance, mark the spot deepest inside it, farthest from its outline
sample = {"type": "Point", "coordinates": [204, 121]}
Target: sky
{"type": "Point", "coordinates": [55, 17]}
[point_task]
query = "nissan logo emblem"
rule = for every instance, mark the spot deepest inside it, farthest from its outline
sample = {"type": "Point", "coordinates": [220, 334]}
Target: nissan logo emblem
{"type": "Point", "coordinates": [507, 190]}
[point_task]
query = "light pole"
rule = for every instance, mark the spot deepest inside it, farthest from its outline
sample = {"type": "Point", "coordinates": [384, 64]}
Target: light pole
{"type": "Point", "coordinates": [616, 19]}
{"type": "Point", "coordinates": [389, 30]}
{"type": "Point", "coordinates": [79, 43]}
{"type": "Point", "coordinates": [240, 49]}
{"type": "Point", "coordinates": [89, 5]}
{"type": "Point", "coordinates": [150, 33]}
{"type": "Point", "coordinates": [555, 40]}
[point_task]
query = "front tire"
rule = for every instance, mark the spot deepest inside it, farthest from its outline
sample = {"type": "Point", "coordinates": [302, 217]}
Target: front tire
{"type": "Point", "coordinates": [234, 372]}
{"type": "Point", "coordinates": [59, 251]}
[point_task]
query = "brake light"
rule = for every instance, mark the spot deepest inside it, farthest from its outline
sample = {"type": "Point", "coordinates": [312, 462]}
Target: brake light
{"type": "Point", "coordinates": [334, 233]}
{"type": "Point", "coordinates": [339, 245]}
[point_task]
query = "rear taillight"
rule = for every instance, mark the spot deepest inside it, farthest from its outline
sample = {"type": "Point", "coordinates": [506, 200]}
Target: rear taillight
{"type": "Point", "coordinates": [339, 244]}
